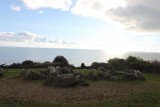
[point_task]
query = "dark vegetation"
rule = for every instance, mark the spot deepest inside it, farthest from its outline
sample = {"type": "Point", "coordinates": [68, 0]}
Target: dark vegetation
{"type": "Point", "coordinates": [131, 62]}
{"type": "Point", "coordinates": [58, 61]}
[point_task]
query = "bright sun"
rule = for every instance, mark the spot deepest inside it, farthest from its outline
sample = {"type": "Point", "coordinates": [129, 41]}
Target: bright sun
{"type": "Point", "coordinates": [115, 50]}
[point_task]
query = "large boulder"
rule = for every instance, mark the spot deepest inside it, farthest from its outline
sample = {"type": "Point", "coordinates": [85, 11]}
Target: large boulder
{"type": "Point", "coordinates": [92, 75]}
{"type": "Point", "coordinates": [50, 71]}
{"type": "Point", "coordinates": [63, 70]}
{"type": "Point", "coordinates": [62, 80]}
{"type": "Point", "coordinates": [36, 76]}
{"type": "Point", "coordinates": [29, 74]}
{"type": "Point", "coordinates": [100, 73]}
{"type": "Point", "coordinates": [133, 75]}
{"type": "Point", "coordinates": [24, 73]}
{"type": "Point", "coordinates": [1, 72]}
{"type": "Point", "coordinates": [81, 79]}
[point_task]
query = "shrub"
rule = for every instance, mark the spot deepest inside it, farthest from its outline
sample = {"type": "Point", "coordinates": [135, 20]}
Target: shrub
{"type": "Point", "coordinates": [60, 61]}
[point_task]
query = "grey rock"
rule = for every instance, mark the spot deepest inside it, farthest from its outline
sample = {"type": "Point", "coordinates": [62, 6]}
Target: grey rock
{"type": "Point", "coordinates": [114, 78]}
{"type": "Point", "coordinates": [1, 72]}
{"type": "Point", "coordinates": [29, 74]}
{"type": "Point", "coordinates": [133, 75]}
{"type": "Point", "coordinates": [62, 80]}
{"type": "Point", "coordinates": [24, 73]}
{"type": "Point", "coordinates": [101, 69]}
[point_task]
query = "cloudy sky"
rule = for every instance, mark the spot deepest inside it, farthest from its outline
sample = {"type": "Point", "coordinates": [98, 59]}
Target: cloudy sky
{"type": "Point", "coordinates": [116, 26]}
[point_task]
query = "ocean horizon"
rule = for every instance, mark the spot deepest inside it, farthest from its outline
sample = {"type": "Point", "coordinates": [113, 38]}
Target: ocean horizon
{"type": "Point", "coordinates": [9, 55]}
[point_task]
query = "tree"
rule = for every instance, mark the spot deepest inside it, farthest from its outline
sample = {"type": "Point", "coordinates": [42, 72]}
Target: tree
{"type": "Point", "coordinates": [96, 65]}
{"type": "Point", "coordinates": [60, 61]}
{"type": "Point", "coordinates": [83, 66]}
{"type": "Point", "coordinates": [137, 63]}
{"type": "Point", "coordinates": [117, 64]}
{"type": "Point", "coordinates": [27, 62]}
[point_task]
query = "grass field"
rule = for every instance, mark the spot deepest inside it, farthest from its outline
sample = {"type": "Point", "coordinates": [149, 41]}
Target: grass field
{"type": "Point", "coordinates": [15, 92]}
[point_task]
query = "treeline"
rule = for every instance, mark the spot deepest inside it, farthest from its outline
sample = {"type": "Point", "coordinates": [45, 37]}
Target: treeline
{"type": "Point", "coordinates": [135, 63]}
{"type": "Point", "coordinates": [58, 61]}
{"type": "Point", "coordinates": [130, 62]}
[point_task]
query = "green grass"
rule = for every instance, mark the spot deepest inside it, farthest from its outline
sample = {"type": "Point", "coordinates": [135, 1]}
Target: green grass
{"type": "Point", "coordinates": [83, 71]}
{"type": "Point", "coordinates": [152, 77]}
{"type": "Point", "coordinates": [15, 72]}
{"type": "Point", "coordinates": [12, 72]}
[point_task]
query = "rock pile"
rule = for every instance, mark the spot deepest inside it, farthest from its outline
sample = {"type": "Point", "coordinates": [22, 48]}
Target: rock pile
{"type": "Point", "coordinates": [63, 77]}
{"type": "Point", "coordinates": [103, 74]}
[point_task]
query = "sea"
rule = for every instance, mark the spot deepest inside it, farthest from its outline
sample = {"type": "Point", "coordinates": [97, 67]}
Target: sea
{"type": "Point", "coordinates": [9, 55]}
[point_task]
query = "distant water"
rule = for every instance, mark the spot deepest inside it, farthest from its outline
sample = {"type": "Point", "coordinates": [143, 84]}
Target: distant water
{"type": "Point", "coordinates": [11, 55]}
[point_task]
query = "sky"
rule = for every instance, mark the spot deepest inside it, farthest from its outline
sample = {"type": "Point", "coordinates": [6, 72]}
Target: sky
{"type": "Point", "coordinates": [116, 26]}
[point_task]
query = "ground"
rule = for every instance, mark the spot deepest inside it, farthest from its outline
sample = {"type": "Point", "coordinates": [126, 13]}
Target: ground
{"type": "Point", "coordinates": [16, 92]}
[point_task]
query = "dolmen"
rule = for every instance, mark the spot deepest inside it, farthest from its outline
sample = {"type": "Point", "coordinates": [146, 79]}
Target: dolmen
{"type": "Point", "coordinates": [64, 77]}
{"type": "Point", "coordinates": [55, 76]}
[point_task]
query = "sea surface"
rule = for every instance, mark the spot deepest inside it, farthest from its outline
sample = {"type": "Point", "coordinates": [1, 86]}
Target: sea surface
{"type": "Point", "coordinates": [9, 55]}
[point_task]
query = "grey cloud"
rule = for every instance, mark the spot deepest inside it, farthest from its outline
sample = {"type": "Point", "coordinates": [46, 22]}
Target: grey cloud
{"type": "Point", "coordinates": [68, 43]}
{"type": "Point", "coordinates": [8, 36]}
{"type": "Point", "coordinates": [141, 15]}
{"type": "Point", "coordinates": [27, 37]}
{"type": "Point", "coordinates": [96, 6]}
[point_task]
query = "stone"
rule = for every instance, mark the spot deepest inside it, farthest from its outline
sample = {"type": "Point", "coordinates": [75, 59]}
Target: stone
{"type": "Point", "coordinates": [62, 80]}
{"type": "Point", "coordinates": [51, 69]}
{"type": "Point", "coordinates": [1, 72]}
{"type": "Point", "coordinates": [24, 73]}
{"type": "Point", "coordinates": [29, 74]}
{"type": "Point", "coordinates": [113, 78]}
{"type": "Point", "coordinates": [35, 76]}
{"type": "Point", "coordinates": [101, 69]}
{"type": "Point", "coordinates": [92, 76]}
{"type": "Point", "coordinates": [133, 75]}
